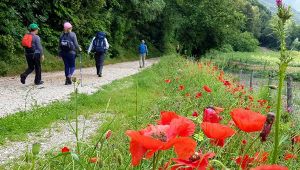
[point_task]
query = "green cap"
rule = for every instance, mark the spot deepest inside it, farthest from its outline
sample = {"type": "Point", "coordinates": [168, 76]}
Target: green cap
{"type": "Point", "coordinates": [33, 26]}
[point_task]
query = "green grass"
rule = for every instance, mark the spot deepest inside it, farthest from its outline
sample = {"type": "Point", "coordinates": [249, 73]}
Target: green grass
{"type": "Point", "coordinates": [135, 102]}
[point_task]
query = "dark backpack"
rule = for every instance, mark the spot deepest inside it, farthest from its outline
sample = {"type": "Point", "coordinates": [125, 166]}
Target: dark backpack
{"type": "Point", "coordinates": [66, 43]}
{"type": "Point", "coordinates": [99, 45]}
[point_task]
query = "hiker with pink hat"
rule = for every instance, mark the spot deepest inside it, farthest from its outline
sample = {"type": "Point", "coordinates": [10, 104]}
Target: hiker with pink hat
{"type": "Point", "coordinates": [67, 51]}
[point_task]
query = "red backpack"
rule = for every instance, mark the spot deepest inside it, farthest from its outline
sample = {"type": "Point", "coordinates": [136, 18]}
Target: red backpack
{"type": "Point", "coordinates": [27, 43]}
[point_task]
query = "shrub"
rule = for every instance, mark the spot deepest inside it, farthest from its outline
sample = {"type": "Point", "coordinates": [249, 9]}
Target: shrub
{"type": "Point", "coordinates": [244, 42]}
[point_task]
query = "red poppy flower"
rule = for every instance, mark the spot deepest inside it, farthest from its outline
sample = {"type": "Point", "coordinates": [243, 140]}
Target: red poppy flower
{"type": "Point", "coordinates": [217, 132]}
{"type": "Point", "coordinates": [144, 145]}
{"type": "Point", "coordinates": [227, 83]}
{"type": "Point", "coordinates": [199, 66]}
{"type": "Point", "coordinates": [198, 161]}
{"type": "Point", "coordinates": [296, 139]}
{"type": "Point", "coordinates": [244, 142]}
{"type": "Point", "coordinates": [195, 114]}
{"type": "Point", "coordinates": [288, 156]}
{"type": "Point", "coordinates": [65, 150]}
{"type": "Point", "coordinates": [261, 157]}
{"type": "Point", "coordinates": [250, 98]}
{"type": "Point", "coordinates": [108, 134]}
{"type": "Point", "coordinates": [198, 95]}
{"type": "Point", "coordinates": [207, 89]}
{"type": "Point", "coordinates": [247, 120]}
{"type": "Point", "coordinates": [181, 87]}
{"type": "Point", "coordinates": [173, 131]}
{"type": "Point", "coordinates": [270, 167]}
{"type": "Point", "coordinates": [210, 115]}
{"type": "Point", "coordinates": [187, 94]}
{"type": "Point", "coordinates": [262, 102]}
{"type": "Point", "coordinates": [244, 161]}
{"type": "Point", "coordinates": [168, 81]}
{"type": "Point", "coordinates": [166, 117]}
{"type": "Point", "coordinates": [93, 160]}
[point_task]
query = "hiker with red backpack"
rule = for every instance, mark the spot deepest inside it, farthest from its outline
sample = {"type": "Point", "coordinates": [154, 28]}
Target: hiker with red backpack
{"type": "Point", "coordinates": [67, 51]}
{"type": "Point", "coordinates": [99, 46]}
{"type": "Point", "coordinates": [34, 54]}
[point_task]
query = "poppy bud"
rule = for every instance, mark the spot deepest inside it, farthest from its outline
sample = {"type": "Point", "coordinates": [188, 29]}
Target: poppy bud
{"type": "Point", "coordinates": [195, 114]}
{"type": "Point", "coordinates": [108, 134]}
{"type": "Point", "coordinates": [36, 148]}
{"type": "Point", "coordinates": [267, 126]}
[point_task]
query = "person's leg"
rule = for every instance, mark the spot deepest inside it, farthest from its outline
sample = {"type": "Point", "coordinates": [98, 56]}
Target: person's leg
{"type": "Point", "coordinates": [144, 58]}
{"type": "Point", "coordinates": [38, 69]}
{"type": "Point", "coordinates": [65, 59]}
{"type": "Point", "coordinates": [141, 60]}
{"type": "Point", "coordinates": [30, 63]}
{"type": "Point", "coordinates": [67, 69]}
{"type": "Point", "coordinates": [101, 64]}
{"type": "Point", "coordinates": [72, 58]}
{"type": "Point", "coordinates": [97, 61]}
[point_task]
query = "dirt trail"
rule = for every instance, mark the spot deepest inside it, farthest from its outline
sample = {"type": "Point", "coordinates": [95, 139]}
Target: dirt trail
{"type": "Point", "coordinates": [15, 96]}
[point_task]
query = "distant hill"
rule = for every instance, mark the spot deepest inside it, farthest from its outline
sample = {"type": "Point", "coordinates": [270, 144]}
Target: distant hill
{"type": "Point", "coordinates": [295, 4]}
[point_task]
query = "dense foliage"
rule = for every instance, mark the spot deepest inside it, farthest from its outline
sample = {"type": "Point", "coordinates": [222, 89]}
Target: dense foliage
{"type": "Point", "coordinates": [196, 26]}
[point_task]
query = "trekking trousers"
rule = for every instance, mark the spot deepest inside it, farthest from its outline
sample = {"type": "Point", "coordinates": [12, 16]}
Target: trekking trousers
{"type": "Point", "coordinates": [142, 60]}
{"type": "Point", "coordinates": [34, 63]}
{"type": "Point", "coordinates": [99, 59]}
{"type": "Point", "coordinates": [69, 62]}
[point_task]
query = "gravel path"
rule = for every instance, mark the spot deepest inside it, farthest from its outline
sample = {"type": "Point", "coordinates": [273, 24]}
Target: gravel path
{"type": "Point", "coordinates": [56, 137]}
{"type": "Point", "coordinates": [15, 96]}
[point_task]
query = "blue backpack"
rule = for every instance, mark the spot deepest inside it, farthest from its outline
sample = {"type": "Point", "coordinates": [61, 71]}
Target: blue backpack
{"type": "Point", "coordinates": [99, 45]}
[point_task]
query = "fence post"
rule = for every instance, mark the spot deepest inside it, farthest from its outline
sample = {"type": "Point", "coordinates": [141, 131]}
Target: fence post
{"type": "Point", "coordinates": [251, 80]}
{"type": "Point", "coordinates": [290, 94]}
{"type": "Point", "coordinates": [241, 76]}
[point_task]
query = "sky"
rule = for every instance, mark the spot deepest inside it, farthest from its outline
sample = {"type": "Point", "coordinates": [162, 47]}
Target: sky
{"type": "Point", "coordinates": [294, 3]}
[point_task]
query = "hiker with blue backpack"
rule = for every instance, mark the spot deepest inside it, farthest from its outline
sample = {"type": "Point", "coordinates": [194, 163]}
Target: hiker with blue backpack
{"type": "Point", "coordinates": [143, 51]}
{"type": "Point", "coordinates": [34, 54]}
{"type": "Point", "coordinates": [99, 46]}
{"type": "Point", "coordinates": [67, 51]}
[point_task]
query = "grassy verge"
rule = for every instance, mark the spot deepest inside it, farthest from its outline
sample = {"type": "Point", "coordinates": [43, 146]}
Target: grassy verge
{"type": "Point", "coordinates": [135, 102]}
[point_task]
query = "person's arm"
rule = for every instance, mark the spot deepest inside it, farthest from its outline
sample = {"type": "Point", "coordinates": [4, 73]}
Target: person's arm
{"type": "Point", "coordinates": [91, 46]}
{"type": "Point", "coordinates": [106, 44]}
{"type": "Point", "coordinates": [76, 42]}
{"type": "Point", "coordinates": [38, 45]}
{"type": "Point", "coordinates": [59, 48]}
{"type": "Point", "coordinates": [146, 49]}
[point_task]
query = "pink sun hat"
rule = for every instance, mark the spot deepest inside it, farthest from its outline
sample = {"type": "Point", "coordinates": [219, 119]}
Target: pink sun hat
{"type": "Point", "coordinates": [67, 25]}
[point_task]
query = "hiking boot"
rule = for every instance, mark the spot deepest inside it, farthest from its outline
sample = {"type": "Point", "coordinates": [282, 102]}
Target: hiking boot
{"type": "Point", "coordinates": [22, 79]}
{"type": "Point", "coordinates": [100, 75]}
{"type": "Point", "coordinates": [39, 83]}
{"type": "Point", "coordinates": [68, 81]}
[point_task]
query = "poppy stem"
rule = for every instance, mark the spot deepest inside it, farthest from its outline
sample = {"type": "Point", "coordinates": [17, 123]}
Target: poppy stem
{"type": "Point", "coordinates": [156, 158]}
{"type": "Point", "coordinates": [251, 144]}
{"type": "Point", "coordinates": [219, 163]}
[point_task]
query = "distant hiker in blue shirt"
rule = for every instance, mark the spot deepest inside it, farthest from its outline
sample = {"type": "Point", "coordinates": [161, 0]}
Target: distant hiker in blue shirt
{"type": "Point", "coordinates": [143, 51]}
{"type": "Point", "coordinates": [67, 51]}
{"type": "Point", "coordinates": [99, 46]}
{"type": "Point", "coordinates": [34, 54]}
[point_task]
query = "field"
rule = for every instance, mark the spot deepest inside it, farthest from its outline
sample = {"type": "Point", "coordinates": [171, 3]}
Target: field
{"type": "Point", "coordinates": [262, 62]}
